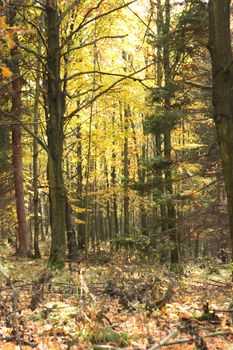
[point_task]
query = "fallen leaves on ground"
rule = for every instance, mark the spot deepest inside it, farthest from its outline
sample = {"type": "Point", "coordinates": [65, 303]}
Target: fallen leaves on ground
{"type": "Point", "coordinates": [86, 306]}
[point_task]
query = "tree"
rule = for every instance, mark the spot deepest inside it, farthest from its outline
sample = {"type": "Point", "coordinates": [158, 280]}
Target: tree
{"type": "Point", "coordinates": [222, 79]}
{"type": "Point", "coordinates": [55, 134]}
{"type": "Point", "coordinates": [23, 234]}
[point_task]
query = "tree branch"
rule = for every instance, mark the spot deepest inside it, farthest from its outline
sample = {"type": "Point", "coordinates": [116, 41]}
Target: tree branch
{"type": "Point", "coordinates": [198, 85]}
{"type": "Point", "coordinates": [14, 117]}
{"type": "Point", "coordinates": [27, 49]}
{"type": "Point", "coordinates": [83, 23]}
{"type": "Point", "coordinates": [94, 42]}
{"type": "Point", "coordinates": [130, 76]}
{"type": "Point", "coordinates": [66, 11]}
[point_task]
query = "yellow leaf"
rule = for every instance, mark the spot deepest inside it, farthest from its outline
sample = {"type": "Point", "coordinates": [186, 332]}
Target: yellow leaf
{"type": "Point", "coordinates": [11, 44]}
{"type": "Point", "coordinates": [10, 40]}
{"type": "Point", "coordinates": [3, 24]}
{"type": "Point", "coordinates": [6, 72]}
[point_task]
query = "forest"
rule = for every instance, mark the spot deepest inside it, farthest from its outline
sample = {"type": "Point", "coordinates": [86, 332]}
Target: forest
{"type": "Point", "coordinates": [116, 174]}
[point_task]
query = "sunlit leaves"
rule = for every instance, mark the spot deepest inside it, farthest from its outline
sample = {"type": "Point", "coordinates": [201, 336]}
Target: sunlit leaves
{"type": "Point", "coordinates": [6, 72]}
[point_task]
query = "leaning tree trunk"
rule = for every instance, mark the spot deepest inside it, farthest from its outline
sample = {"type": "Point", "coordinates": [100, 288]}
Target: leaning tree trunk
{"type": "Point", "coordinates": [222, 72]}
{"type": "Point", "coordinates": [55, 123]}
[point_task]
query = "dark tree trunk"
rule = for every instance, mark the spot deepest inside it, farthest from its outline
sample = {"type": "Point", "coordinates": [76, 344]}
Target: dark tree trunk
{"type": "Point", "coordinates": [81, 215]}
{"type": "Point", "coordinates": [171, 211]}
{"type": "Point", "coordinates": [141, 178]}
{"type": "Point", "coordinates": [222, 71]}
{"type": "Point", "coordinates": [126, 172]}
{"type": "Point", "coordinates": [57, 192]}
{"type": "Point", "coordinates": [71, 235]}
{"type": "Point", "coordinates": [113, 183]}
{"type": "Point", "coordinates": [35, 163]}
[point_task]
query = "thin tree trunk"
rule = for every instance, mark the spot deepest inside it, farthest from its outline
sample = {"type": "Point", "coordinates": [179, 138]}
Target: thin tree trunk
{"type": "Point", "coordinates": [23, 233]}
{"type": "Point", "coordinates": [158, 137]}
{"type": "Point", "coordinates": [81, 215]}
{"type": "Point", "coordinates": [126, 172]}
{"type": "Point", "coordinates": [141, 177]}
{"type": "Point", "coordinates": [71, 235]}
{"type": "Point", "coordinates": [171, 212]}
{"type": "Point", "coordinates": [35, 163]}
{"type": "Point", "coordinates": [113, 181]}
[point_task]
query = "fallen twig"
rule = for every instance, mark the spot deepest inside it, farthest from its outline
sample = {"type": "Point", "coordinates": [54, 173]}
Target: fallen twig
{"type": "Point", "coordinates": [164, 341]}
{"type": "Point", "coordinates": [190, 340]}
{"type": "Point", "coordinates": [107, 347]}
{"type": "Point", "coordinates": [213, 310]}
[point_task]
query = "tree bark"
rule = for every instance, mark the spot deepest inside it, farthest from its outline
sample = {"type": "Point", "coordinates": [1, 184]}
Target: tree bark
{"type": "Point", "coordinates": [222, 75]}
{"type": "Point", "coordinates": [114, 182]}
{"type": "Point", "coordinates": [23, 233]}
{"type": "Point", "coordinates": [55, 135]}
{"type": "Point", "coordinates": [171, 211]}
{"type": "Point", "coordinates": [126, 171]}
{"type": "Point", "coordinates": [35, 162]}
{"type": "Point", "coordinates": [81, 204]}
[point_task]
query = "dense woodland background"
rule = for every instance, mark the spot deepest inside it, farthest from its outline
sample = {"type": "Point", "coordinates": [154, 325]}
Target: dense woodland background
{"type": "Point", "coordinates": [116, 174]}
{"type": "Point", "coordinates": [107, 130]}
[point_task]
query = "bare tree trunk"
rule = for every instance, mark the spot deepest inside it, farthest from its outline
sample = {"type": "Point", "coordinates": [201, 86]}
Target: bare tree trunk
{"type": "Point", "coordinates": [35, 163]}
{"type": "Point", "coordinates": [81, 215]}
{"type": "Point", "coordinates": [222, 72]}
{"type": "Point", "coordinates": [126, 172]}
{"type": "Point", "coordinates": [55, 123]}
{"type": "Point", "coordinates": [171, 212]}
{"type": "Point", "coordinates": [158, 137]}
{"type": "Point", "coordinates": [141, 177]}
{"type": "Point", "coordinates": [23, 233]}
{"type": "Point", "coordinates": [71, 235]}
{"type": "Point", "coordinates": [113, 182]}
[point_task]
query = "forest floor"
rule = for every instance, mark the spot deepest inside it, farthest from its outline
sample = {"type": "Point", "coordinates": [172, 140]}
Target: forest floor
{"type": "Point", "coordinates": [113, 302]}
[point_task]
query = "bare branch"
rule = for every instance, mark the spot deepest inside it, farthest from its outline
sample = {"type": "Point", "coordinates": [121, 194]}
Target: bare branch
{"type": "Point", "coordinates": [94, 42]}
{"type": "Point", "coordinates": [101, 73]}
{"type": "Point", "coordinates": [83, 23]}
{"type": "Point", "coordinates": [29, 50]}
{"type": "Point", "coordinates": [124, 77]}
{"type": "Point", "coordinates": [66, 12]}
{"type": "Point", "coordinates": [14, 117]}
{"type": "Point", "coordinates": [198, 85]}
{"type": "Point", "coordinates": [39, 32]}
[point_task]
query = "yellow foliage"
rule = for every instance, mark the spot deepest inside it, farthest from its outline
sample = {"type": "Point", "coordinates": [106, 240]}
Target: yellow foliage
{"type": "Point", "coordinates": [10, 40]}
{"type": "Point", "coordinates": [10, 44]}
{"type": "Point", "coordinates": [6, 72]}
{"type": "Point", "coordinates": [3, 24]}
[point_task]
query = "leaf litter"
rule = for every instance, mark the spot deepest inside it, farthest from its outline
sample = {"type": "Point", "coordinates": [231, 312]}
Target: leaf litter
{"type": "Point", "coordinates": [114, 305]}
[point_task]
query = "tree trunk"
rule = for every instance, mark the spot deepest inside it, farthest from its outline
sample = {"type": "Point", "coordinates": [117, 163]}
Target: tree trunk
{"type": "Point", "coordinates": [222, 72]}
{"type": "Point", "coordinates": [171, 212]}
{"type": "Point", "coordinates": [35, 162]}
{"type": "Point", "coordinates": [141, 177]}
{"type": "Point", "coordinates": [23, 233]}
{"type": "Point", "coordinates": [71, 235]}
{"type": "Point", "coordinates": [81, 215]}
{"type": "Point", "coordinates": [114, 182]}
{"type": "Point", "coordinates": [126, 172]}
{"type": "Point", "coordinates": [57, 192]}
